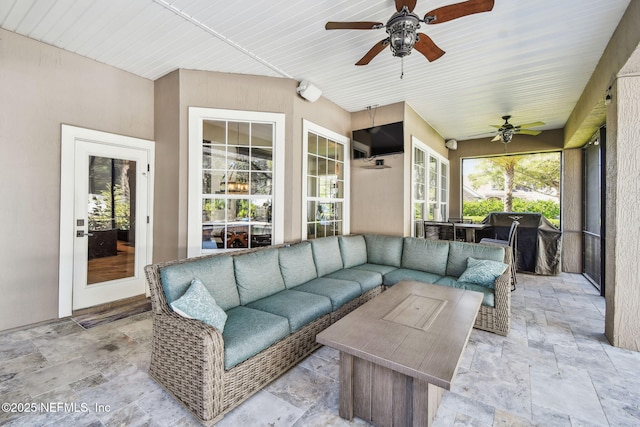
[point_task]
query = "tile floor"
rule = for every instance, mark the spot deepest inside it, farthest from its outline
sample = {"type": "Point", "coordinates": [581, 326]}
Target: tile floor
{"type": "Point", "coordinates": [554, 369]}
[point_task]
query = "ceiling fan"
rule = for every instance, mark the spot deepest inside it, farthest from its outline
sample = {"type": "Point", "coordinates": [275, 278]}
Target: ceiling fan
{"type": "Point", "coordinates": [402, 26]}
{"type": "Point", "coordinates": [507, 130]}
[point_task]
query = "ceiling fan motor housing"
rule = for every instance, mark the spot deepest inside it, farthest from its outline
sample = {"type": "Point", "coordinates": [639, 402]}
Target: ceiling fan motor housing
{"type": "Point", "coordinates": [402, 32]}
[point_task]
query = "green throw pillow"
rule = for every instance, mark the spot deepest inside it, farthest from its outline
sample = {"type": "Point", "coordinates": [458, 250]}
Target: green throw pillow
{"type": "Point", "coordinates": [482, 272]}
{"type": "Point", "coordinates": [197, 303]}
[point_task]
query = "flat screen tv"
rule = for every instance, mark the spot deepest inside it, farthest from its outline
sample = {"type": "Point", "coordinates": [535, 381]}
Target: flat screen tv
{"type": "Point", "coordinates": [378, 141]}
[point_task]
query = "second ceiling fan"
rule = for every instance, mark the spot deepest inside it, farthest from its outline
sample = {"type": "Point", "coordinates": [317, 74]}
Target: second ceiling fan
{"type": "Point", "coordinates": [506, 130]}
{"type": "Point", "coordinates": [403, 24]}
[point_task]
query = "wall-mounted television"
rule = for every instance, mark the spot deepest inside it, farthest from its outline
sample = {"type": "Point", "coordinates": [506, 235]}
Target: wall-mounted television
{"type": "Point", "coordinates": [378, 141]}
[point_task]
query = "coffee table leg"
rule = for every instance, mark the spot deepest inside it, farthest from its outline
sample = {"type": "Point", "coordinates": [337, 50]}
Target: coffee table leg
{"type": "Point", "coordinates": [426, 399]}
{"type": "Point", "coordinates": [346, 386]}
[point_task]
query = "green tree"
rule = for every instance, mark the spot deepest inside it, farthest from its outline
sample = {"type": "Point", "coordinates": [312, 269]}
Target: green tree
{"type": "Point", "coordinates": [535, 172]}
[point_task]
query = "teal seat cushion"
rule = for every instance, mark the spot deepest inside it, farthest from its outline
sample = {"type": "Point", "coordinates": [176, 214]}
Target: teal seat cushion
{"type": "Point", "coordinates": [326, 255]}
{"type": "Point", "coordinates": [381, 269]}
{"type": "Point", "coordinates": [483, 272]}
{"type": "Point", "coordinates": [367, 279]}
{"type": "Point", "coordinates": [384, 250]}
{"type": "Point", "coordinates": [248, 332]}
{"type": "Point", "coordinates": [258, 275]}
{"type": "Point", "coordinates": [338, 291]}
{"type": "Point", "coordinates": [216, 274]}
{"type": "Point", "coordinates": [300, 308]}
{"type": "Point", "coordinates": [460, 251]}
{"type": "Point", "coordinates": [407, 274]}
{"type": "Point", "coordinates": [353, 250]}
{"type": "Point", "coordinates": [488, 297]}
{"type": "Point", "coordinates": [450, 281]}
{"type": "Point", "coordinates": [425, 255]}
{"type": "Point", "coordinates": [197, 303]}
{"type": "Point", "coordinates": [296, 264]}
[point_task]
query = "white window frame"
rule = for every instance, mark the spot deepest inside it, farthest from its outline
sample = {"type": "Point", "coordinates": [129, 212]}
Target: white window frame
{"type": "Point", "coordinates": [197, 116]}
{"type": "Point", "coordinates": [440, 203]}
{"type": "Point", "coordinates": [307, 127]}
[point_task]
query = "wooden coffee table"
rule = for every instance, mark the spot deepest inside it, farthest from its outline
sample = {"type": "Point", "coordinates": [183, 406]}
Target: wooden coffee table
{"type": "Point", "coordinates": [400, 351]}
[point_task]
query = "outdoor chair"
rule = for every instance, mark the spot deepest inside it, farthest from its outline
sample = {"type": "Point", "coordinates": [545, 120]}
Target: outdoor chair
{"type": "Point", "coordinates": [511, 242]}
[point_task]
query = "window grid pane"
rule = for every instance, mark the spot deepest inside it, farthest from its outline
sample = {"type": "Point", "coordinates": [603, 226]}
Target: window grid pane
{"type": "Point", "coordinates": [237, 184]}
{"type": "Point", "coordinates": [325, 186]}
{"type": "Point", "coordinates": [430, 188]}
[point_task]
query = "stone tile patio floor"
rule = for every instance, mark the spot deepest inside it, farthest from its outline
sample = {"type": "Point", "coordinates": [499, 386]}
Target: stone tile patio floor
{"type": "Point", "coordinates": [555, 368]}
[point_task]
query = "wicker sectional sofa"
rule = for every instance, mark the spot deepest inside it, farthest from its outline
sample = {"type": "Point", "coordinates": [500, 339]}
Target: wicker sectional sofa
{"type": "Point", "coordinates": [277, 299]}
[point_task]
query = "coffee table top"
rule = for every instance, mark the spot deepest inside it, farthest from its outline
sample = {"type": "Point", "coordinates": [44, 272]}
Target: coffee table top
{"type": "Point", "coordinates": [414, 328]}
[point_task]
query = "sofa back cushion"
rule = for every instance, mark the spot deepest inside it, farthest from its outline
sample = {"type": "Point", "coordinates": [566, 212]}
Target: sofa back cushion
{"type": "Point", "coordinates": [459, 252]}
{"type": "Point", "coordinates": [296, 264]}
{"type": "Point", "coordinates": [385, 250]}
{"type": "Point", "coordinates": [429, 256]}
{"type": "Point", "coordinates": [216, 274]}
{"type": "Point", "coordinates": [258, 275]}
{"type": "Point", "coordinates": [353, 250]}
{"type": "Point", "coordinates": [326, 255]}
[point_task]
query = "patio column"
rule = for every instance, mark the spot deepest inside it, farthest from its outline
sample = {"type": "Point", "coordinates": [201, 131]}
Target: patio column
{"type": "Point", "coordinates": [622, 275]}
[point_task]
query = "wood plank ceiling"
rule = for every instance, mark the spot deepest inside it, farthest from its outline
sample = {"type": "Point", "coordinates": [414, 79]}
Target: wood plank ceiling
{"type": "Point", "coordinates": [528, 59]}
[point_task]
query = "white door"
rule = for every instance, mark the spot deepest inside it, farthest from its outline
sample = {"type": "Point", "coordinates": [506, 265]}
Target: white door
{"type": "Point", "coordinates": [107, 219]}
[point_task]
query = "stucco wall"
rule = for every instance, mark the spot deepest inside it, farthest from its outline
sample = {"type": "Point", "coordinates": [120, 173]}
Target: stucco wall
{"type": "Point", "coordinates": [622, 270]}
{"type": "Point", "coordinates": [42, 87]}
{"type": "Point", "coordinates": [381, 198]}
{"type": "Point", "coordinates": [166, 216]}
{"type": "Point", "coordinates": [376, 194]}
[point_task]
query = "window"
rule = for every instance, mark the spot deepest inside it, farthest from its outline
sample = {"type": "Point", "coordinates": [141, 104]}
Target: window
{"type": "Point", "coordinates": [235, 185]}
{"type": "Point", "coordinates": [325, 203]}
{"type": "Point", "coordinates": [430, 186]}
{"type": "Point", "coordinates": [512, 183]}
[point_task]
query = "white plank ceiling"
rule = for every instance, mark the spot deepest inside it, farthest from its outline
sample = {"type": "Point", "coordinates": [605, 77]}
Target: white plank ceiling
{"type": "Point", "coordinates": [530, 59]}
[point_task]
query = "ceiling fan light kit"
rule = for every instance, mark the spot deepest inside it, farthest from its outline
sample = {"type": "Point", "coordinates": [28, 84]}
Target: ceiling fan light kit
{"type": "Point", "coordinates": [402, 32]}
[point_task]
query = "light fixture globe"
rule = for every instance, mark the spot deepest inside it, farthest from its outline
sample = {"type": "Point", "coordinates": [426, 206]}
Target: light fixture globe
{"type": "Point", "coordinates": [402, 32]}
{"type": "Point", "coordinates": [506, 136]}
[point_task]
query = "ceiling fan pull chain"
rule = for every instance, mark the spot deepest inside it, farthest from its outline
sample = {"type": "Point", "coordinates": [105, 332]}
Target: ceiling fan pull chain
{"type": "Point", "coordinates": [401, 68]}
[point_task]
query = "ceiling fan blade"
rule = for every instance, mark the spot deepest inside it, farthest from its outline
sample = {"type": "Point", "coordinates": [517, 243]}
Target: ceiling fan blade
{"type": "Point", "coordinates": [498, 137]}
{"type": "Point", "coordinates": [411, 4]}
{"type": "Point", "coordinates": [529, 132]}
{"type": "Point", "coordinates": [362, 25]}
{"type": "Point", "coordinates": [376, 49]}
{"type": "Point", "coordinates": [457, 10]}
{"type": "Point", "coordinates": [531, 125]}
{"type": "Point", "coordinates": [496, 126]}
{"type": "Point", "coordinates": [428, 48]}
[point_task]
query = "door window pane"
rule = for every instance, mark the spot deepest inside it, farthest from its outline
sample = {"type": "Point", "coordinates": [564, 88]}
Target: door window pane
{"type": "Point", "coordinates": [111, 217]}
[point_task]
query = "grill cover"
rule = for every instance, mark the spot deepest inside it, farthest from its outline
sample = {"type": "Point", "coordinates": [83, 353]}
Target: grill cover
{"type": "Point", "coordinates": [539, 241]}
